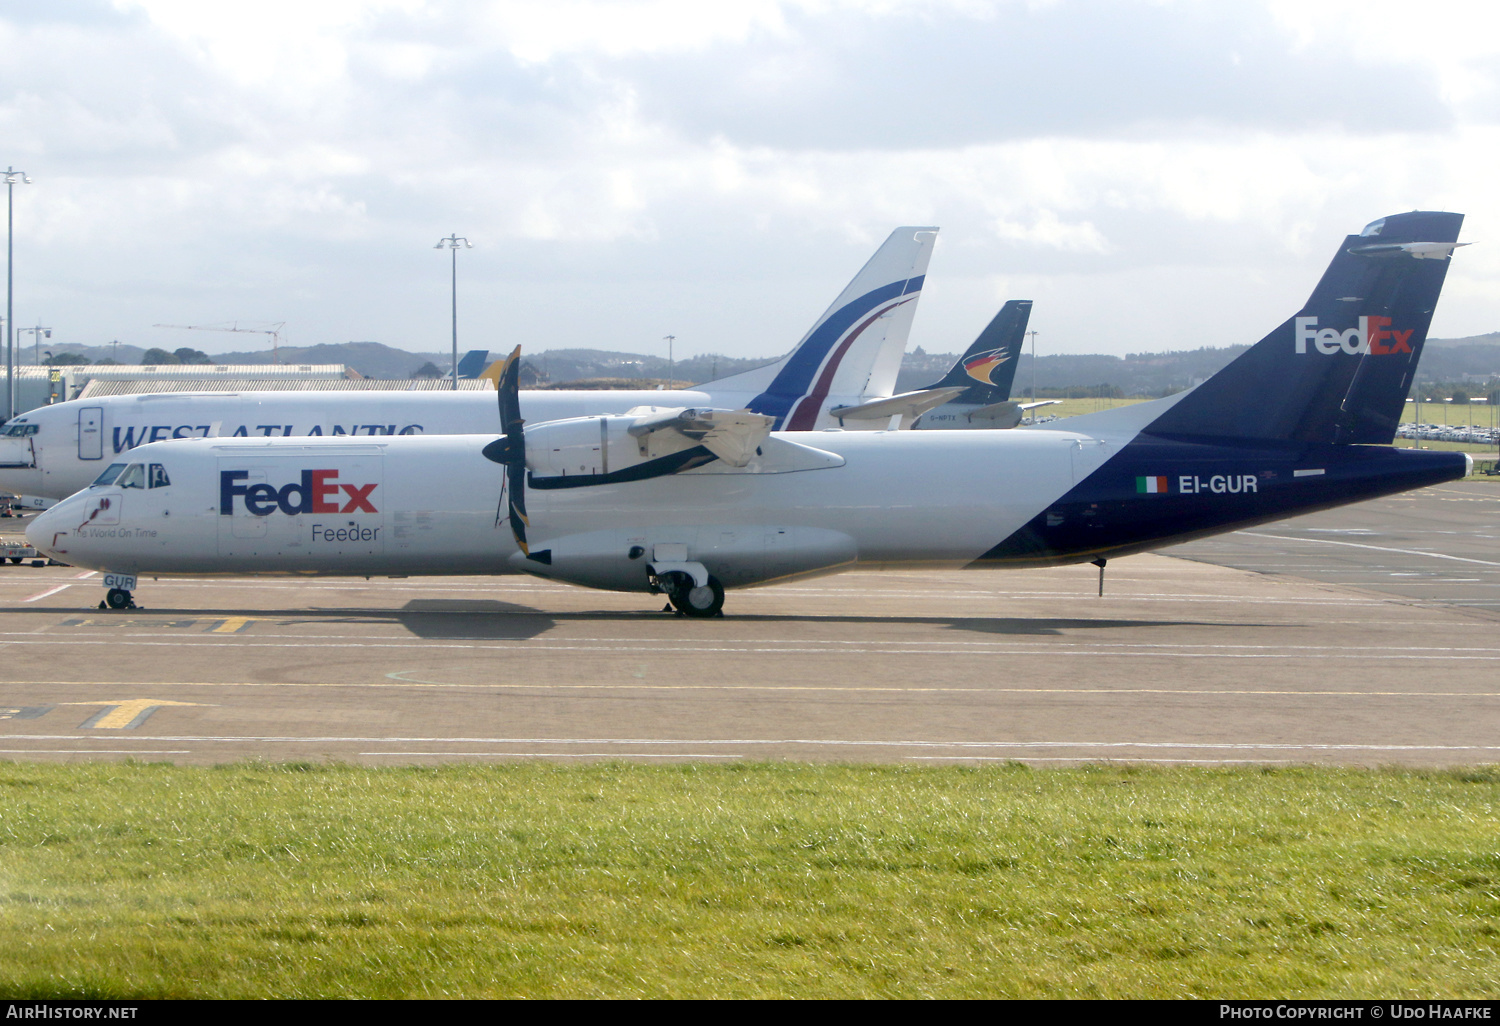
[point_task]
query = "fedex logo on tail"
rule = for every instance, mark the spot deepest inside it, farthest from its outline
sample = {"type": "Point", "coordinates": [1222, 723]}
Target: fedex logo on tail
{"type": "Point", "coordinates": [318, 491]}
{"type": "Point", "coordinates": [1373, 336]}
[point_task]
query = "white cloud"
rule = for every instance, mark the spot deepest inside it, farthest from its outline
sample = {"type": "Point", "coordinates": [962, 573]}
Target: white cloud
{"type": "Point", "coordinates": [628, 169]}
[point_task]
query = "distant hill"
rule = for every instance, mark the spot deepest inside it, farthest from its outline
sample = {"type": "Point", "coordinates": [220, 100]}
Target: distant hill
{"type": "Point", "coordinates": [562, 365]}
{"type": "Point", "coordinates": [120, 354]}
{"type": "Point", "coordinates": [372, 359]}
{"type": "Point", "coordinates": [1136, 374]}
{"type": "Point", "coordinates": [1476, 358]}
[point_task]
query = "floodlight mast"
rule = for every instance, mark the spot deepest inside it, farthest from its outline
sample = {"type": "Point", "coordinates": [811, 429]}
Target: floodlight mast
{"type": "Point", "coordinates": [37, 334]}
{"type": "Point", "coordinates": [12, 176]}
{"type": "Point", "coordinates": [1034, 398]}
{"type": "Point", "coordinates": [452, 242]}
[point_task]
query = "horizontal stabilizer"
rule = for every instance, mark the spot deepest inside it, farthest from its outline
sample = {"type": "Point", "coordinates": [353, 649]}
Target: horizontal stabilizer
{"type": "Point", "coordinates": [1000, 415]}
{"type": "Point", "coordinates": [907, 404]}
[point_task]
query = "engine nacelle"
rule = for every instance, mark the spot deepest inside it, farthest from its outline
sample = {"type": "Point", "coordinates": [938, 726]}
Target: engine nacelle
{"type": "Point", "coordinates": [590, 450]}
{"type": "Point", "coordinates": [564, 448]}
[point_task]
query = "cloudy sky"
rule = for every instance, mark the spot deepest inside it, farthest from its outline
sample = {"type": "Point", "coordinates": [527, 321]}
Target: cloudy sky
{"type": "Point", "coordinates": [1160, 174]}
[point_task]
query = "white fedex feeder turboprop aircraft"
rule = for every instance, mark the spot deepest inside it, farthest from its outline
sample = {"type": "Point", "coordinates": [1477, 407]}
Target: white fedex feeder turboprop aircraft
{"type": "Point", "coordinates": [690, 502]}
{"type": "Point", "coordinates": [849, 359]}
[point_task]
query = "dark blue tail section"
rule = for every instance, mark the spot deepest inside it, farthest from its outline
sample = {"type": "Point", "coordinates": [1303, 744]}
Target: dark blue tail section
{"type": "Point", "coordinates": [1271, 435]}
{"type": "Point", "coordinates": [988, 368]}
{"type": "Point", "coordinates": [1338, 370]}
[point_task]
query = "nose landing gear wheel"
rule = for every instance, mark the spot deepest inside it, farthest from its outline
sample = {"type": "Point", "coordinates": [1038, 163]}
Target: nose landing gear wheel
{"type": "Point", "coordinates": [117, 598]}
{"type": "Point", "coordinates": [703, 602]}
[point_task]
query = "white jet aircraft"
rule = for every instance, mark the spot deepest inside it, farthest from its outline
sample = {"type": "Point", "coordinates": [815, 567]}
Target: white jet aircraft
{"type": "Point", "coordinates": [850, 356]}
{"type": "Point", "coordinates": [689, 502]}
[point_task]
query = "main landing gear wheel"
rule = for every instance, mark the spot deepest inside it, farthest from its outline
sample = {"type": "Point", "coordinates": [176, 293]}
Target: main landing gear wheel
{"type": "Point", "coordinates": [117, 598]}
{"type": "Point", "coordinates": [703, 601]}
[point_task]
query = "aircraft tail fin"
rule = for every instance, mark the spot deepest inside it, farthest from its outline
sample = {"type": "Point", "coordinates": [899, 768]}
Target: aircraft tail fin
{"type": "Point", "coordinates": [1339, 369]}
{"type": "Point", "coordinates": [472, 363]}
{"type": "Point", "coordinates": [988, 368]}
{"type": "Point", "coordinates": [855, 348]}
{"type": "Point", "coordinates": [492, 373]}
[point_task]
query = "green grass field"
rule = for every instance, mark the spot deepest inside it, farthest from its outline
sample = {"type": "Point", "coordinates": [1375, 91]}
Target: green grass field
{"type": "Point", "coordinates": [132, 880]}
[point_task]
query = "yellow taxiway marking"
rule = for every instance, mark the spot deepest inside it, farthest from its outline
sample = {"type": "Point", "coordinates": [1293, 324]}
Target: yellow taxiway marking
{"type": "Point", "coordinates": [125, 712]}
{"type": "Point", "coordinates": [226, 625]}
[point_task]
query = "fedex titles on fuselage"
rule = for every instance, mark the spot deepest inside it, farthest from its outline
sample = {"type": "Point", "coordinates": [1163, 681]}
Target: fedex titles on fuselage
{"type": "Point", "coordinates": [132, 436]}
{"type": "Point", "coordinates": [1373, 336]}
{"type": "Point", "coordinates": [316, 491]}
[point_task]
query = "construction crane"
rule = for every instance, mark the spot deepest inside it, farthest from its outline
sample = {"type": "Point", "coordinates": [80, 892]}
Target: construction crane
{"type": "Point", "coordinates": [274, 331]}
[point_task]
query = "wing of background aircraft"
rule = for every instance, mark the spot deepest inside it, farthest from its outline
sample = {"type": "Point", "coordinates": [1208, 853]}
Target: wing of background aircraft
{"type": "Point", "coordinates": [908, 405]}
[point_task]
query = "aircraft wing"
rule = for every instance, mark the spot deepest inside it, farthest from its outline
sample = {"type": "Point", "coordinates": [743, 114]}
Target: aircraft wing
{"type": "Point", "coordinates": [731, 435]}
{"type": "Point", "coordinates": [908, 404]}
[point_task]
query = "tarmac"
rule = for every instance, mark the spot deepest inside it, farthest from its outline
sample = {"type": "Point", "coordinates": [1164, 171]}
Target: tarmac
{"type": "Point", "coordinates": [1368, 635]}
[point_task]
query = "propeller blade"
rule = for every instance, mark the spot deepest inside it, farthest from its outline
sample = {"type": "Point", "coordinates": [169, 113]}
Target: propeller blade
{"type": "Point", "coordinates": [508, 389]}
{"type": "Point", "coordinates": [510, 450]}
{"type": "Point", "coordinates": [516, 473]}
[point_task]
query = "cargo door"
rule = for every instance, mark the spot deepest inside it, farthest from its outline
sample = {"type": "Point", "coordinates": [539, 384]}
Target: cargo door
{"type": "Point", "coordinates": [242, 533]}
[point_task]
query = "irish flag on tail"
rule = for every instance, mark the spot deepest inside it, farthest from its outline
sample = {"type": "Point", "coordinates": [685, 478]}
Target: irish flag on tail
{"type": "Point", "coordinates": [1151, 485]}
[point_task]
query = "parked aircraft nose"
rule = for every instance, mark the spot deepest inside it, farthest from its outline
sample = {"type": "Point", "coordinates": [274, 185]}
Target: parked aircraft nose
{"type": "Point", "coordinates": [20, 480]}
{"type": "Point", "coordinates": [55, 532]}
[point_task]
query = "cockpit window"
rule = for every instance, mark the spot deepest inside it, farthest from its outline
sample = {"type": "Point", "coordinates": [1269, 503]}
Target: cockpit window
{"type": "Point", "coordinates": [159, 477]}
{"type": "Point", "coordinates": [110, 473]}
{"type": "Point", "coordinates": [19, 430]}
{"type": "Point", "coordinates": [134, 476]}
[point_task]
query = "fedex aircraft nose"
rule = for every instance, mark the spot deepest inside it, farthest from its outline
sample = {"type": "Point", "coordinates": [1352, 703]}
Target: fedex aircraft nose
{"type": "Point", "coordinates": [52, 532]}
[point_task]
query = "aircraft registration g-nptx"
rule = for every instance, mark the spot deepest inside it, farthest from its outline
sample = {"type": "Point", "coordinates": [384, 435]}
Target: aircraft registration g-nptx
{"type": "Point", "coordinates": [849, 357]}
{"type": "Point", "coordinates": [691, 502]}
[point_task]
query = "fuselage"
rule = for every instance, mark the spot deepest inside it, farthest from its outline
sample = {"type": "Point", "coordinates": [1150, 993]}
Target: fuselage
{"type": "Point", "coordinates": [817, 502]}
